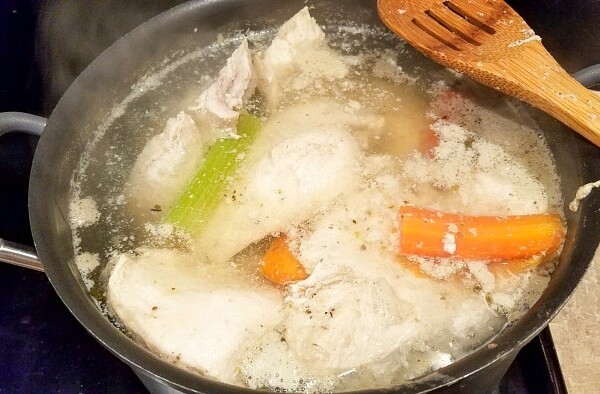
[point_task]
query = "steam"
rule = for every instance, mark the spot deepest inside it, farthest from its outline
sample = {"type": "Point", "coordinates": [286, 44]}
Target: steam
{"type": "Point", "coordinates": [72, 33]}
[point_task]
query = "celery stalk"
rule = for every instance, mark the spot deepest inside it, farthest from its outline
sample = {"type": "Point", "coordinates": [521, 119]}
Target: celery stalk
{"type": "Point", "coordinates": [207, 188]}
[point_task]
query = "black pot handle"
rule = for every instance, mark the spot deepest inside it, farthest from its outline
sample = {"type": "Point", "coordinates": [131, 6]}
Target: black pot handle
{"type": "Point", "coordinates": [589, 76]}
{"type": "Point", "coordinates": [10, 252]}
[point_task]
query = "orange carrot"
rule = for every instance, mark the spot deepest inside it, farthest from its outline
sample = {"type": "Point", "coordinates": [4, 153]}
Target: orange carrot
{"type": "Point", "coordinates": [430, 233]}
{"type": "Point", "coordinates": [429, 140]}
{"type": "Point", "coordinates": [280, 265]}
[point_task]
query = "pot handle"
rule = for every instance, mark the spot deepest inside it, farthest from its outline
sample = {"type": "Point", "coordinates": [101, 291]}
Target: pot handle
{"type": "Point", "coordinates": [10, 252]}
{"type": "Point", "coordinates": [21, 255]}
{"type": "Point", "coordinates": [589, 76]}
{"type": "Point", "coordinates": [19, 121]}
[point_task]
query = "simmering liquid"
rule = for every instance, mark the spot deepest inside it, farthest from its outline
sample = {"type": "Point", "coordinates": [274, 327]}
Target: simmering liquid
{"type": "Point", "coordinates": [366, 316]}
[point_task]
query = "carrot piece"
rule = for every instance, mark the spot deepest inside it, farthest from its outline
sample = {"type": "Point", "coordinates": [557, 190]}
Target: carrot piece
{"type": "Point", "coordinates": [430, 233]}
{"type": "Point", "coordinates": [280, 265]}
{"type": "Point", "coordinates": [429, 140]}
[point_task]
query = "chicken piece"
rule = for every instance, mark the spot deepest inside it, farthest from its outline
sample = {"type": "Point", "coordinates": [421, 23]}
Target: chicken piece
{"type": "Point", "coordinates": [218, 107]}
{"type": "Point", "coordinates": [197, 316]}
{"type": "Point", "coordinates": [348, 322]}
{"type": "Point", "coordinates": [484, 178]}
{"type": "Point", "coordinates": [359, 309]}
{"type": "Point", "coordinates": [286, 177]}
{"type": "Point", "coordinates": [165, 165]}
{"type": "Point", "coordinates": [296, 179]}
{"type": "Point", "coordinates": [297, 57]}
{"type": "Point", "coordinates": [169, 159]}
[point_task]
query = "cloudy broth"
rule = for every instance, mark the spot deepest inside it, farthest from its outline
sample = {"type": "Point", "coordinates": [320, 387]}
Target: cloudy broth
{"type": "Point", "coordinates": [392, 99]}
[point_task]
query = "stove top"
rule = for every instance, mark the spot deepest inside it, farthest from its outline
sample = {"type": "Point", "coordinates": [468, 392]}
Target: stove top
{"type": "Point", "coordinates": [42, 347]}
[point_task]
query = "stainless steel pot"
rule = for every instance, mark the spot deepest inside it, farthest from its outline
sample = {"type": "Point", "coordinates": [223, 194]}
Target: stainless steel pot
{"type": "Point", "coordinates": [107, 81]}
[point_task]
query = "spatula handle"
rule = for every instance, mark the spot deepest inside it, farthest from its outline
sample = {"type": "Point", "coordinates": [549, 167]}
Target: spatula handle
{"type": "Point", "coordinates": [538, 79]}
{"type": "Point", "coordinates": [575, 106]}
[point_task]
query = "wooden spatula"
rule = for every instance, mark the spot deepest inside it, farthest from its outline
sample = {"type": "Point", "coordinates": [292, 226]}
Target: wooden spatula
{"type": "Point", "coordinates": [489, 42]}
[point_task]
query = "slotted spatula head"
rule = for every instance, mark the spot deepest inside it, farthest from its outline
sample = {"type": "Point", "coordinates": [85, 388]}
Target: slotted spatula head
{"type": "Point", "coordinates": [457, 30]}
{"type": "Point", "coordinates": [470, 36]}
{"type": "Point", "coordinates": [489, 42]}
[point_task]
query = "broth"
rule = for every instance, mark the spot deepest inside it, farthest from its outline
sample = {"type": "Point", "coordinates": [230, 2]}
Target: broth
{"type": "Point", "coordinates": [365, 317]}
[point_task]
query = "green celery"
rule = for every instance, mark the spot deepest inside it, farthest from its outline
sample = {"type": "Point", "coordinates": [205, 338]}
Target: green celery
{"type": "Point", "coordinates": [207, 188]}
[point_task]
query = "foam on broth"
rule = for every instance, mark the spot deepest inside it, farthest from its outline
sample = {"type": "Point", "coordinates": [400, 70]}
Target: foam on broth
{"type": "Point", "coordinates": [388, 79]}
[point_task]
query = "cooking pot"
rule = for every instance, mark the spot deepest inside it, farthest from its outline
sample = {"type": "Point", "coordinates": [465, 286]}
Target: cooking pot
{"type": "Point", "coordinates": [109, 79]}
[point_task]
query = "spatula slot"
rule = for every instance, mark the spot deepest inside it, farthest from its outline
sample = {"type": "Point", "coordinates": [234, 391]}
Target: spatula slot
{"type": "Point", "coordinates": [469, 17]}
{"type": "Point", "coordinates": [434, 34]}
{"type": "Point", "coordinates": [452, 28]}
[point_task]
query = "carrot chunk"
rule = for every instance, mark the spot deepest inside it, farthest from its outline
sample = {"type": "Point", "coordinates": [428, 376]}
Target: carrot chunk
{"type": "Point", "coordinates": [280, 265]}
{"type": "Point", "coordinates": [429, 140]}
{"type": "Point", "coordinates": [431, 233]}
